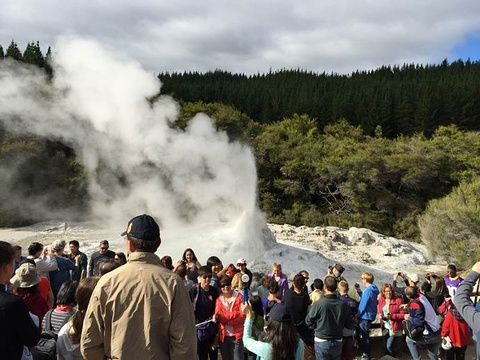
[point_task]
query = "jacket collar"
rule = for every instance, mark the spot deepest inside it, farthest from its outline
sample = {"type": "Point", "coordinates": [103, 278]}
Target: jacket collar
{"type": "Point", "coordinates": [144, 257]}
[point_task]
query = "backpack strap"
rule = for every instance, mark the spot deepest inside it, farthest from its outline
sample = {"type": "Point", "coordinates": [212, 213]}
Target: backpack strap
{"type": "Point", "coordinates": [197, 292]}
{"type": "Point", "coordinates": [65, 321]}
{"type": "Point", "coordinates": [48, 320]}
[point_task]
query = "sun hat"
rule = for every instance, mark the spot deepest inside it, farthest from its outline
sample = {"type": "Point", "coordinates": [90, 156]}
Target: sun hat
{"type": "Point", "coordinates": [143, 227]}
{"type": "Point", "coordinates": [25, 276]}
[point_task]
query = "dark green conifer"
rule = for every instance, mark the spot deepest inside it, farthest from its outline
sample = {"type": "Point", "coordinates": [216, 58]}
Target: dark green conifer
{"type": "Point", "coordinates": [33, 54]}
{"type": "Point", "coordinates": [13, 52]}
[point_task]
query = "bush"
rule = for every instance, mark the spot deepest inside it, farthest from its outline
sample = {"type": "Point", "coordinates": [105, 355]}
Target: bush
{"type": "Point", "coordinates": [450, 227]}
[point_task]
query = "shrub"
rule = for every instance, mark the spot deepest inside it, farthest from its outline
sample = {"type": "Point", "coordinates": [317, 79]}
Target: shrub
{"type": "Point", "coordinates": [450, 227]}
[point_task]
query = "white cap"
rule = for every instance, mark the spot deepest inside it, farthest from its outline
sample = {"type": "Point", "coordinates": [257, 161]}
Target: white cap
{"type": "Point", "coordinates": [413, 277]}
{"type": "Point", "coordinates": [242, 261]}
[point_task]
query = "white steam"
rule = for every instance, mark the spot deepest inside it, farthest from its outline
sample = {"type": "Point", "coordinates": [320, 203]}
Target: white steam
{"type": "Point", "coordinates": [136, 162]}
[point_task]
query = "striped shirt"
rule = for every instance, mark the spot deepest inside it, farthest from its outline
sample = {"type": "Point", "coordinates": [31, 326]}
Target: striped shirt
{"type": "Point", "coordinates": [58, 319]}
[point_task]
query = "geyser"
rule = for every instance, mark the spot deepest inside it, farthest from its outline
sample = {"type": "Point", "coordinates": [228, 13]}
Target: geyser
{"type": "Point", "coordinates": [136, 161]}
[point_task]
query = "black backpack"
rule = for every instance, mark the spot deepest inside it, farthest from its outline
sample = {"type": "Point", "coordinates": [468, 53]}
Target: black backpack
{"type": "Point", "coordinates": [46, 348]}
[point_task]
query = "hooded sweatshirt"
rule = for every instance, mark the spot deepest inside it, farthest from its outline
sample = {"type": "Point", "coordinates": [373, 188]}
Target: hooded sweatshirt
{"type": "Point", "coordinates": [367, 309]}
{"type": "Point", "coordinates": [465, 306]}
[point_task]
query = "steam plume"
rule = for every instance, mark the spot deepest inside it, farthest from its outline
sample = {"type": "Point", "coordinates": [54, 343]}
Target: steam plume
{"type": "Point", "coordinates": [136, 162]}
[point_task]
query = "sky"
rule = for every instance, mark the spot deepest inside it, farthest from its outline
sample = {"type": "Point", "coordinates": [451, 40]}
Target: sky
{"type": "Point", "coordinates": [257, 36]}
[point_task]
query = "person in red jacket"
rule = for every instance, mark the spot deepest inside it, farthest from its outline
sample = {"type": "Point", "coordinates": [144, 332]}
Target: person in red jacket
{"type": "Point", "coordinates": [230, 320]}
{"type": "Point", "coordinates": [26, 281]}
{"type": "Point", "coordinates": [456, 329]}
{"type": "Point", "coordinates": [391, 317]}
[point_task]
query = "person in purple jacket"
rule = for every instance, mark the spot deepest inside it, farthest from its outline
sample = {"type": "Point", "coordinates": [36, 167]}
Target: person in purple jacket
{"type": "Point", "coordinates": [452, 280]}
{"type": "Point", "coordinates": [367, 311]}
{"type": "Point", "coordinates": [280, 278]}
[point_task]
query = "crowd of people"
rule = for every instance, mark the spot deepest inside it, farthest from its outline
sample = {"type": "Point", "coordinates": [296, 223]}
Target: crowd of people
{"type": "Point", "coordinates": [146, 307]}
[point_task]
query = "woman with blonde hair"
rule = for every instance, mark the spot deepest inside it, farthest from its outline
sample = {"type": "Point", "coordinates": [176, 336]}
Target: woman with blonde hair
{"type": "Point", "coordinates": [391, 316]}
{"type": "Point", "coordinates": [280, 278]}
{"type": "Point", "coordinates": [68, 343]}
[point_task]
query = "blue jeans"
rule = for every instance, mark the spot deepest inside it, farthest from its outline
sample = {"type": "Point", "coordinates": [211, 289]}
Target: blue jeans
{"type": "Point", "coordinates": [431, 344]}
{"type": "Point", "coordinates": [231, 349]}
{"type": "Point", "coordinates": [389, 342]}
{"type": "Point", "coordinates": [364, 327]}
{"type": "Point", "coordinates": [328, 350]}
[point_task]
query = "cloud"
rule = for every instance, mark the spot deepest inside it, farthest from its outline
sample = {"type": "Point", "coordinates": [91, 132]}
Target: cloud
{"type": "Point", "coordinates": [253, 36]}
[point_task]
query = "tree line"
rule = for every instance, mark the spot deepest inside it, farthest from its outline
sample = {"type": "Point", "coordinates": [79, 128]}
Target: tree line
{"type": "Point", "coordinates": [403, 100]}
{"type": "Point", "coordinates": [31, 55]}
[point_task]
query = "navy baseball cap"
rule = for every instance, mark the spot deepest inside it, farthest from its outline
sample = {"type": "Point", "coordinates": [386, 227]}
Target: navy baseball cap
{"type": "Point", "coordinates": [280, 313]}
{"type": "Point", "coordinates": [143, 227]}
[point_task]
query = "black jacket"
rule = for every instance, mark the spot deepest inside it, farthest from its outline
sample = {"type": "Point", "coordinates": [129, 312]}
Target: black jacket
{"type": "Point", "coordinates": [16, 327]}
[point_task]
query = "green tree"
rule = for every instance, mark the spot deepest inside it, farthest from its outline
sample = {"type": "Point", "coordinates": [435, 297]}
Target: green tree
{"type": "Point", "coordinates": [33, 55]}
{"type": "Point", "coordinates": [237, 125]}
{"type": "Point", "coordinates": [48, 62]}
{"type": "Point", "coordinates": [450, 226]}
{"type": "Point", "coordinates": [2, 54]}
{"type": "Point", "coordinates": [14, 52]}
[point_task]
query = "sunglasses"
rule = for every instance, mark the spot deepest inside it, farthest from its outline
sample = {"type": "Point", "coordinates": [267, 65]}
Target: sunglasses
{"type": "Point", "coordinates": [207, 276]}
{"type": "Point", "coordinates": [222, 286]}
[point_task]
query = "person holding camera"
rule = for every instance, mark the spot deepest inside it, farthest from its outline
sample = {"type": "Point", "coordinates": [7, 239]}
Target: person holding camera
{"type": "Point", "coordinates": [409, 280]}
{"type": "Point", "coordinates": [336, 271]}
{"type": "Point", "coordinates": [464, 304]}
{"type": "Point", "coordinates": [391, 316]}
{"type": "Point", "coordinates": [280, 341]}
{"type": "Point", "coordinates": [238, 278]}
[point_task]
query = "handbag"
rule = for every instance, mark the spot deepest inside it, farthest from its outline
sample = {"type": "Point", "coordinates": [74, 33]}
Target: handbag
{"type": "Point", "coordinates": [206, 330]}
{"type": "Point", "coordinates": [412, 331]}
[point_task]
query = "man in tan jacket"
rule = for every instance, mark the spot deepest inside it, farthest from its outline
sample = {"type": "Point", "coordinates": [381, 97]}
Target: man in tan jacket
{"type": "Point", "coordinates": [140, 310]}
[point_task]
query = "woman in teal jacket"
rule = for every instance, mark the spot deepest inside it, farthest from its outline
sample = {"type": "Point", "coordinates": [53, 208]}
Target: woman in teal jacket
{"type": "Point", "coordinates": [280, 342]}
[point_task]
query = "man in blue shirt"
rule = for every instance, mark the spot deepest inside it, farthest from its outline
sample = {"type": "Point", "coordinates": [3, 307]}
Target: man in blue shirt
{"type": "Point", "coordinates": [367, 311]}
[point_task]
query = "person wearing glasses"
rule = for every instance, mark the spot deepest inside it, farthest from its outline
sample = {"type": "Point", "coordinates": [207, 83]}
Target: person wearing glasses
{"type": "Point", "coordinates": [231, 320]}
{"type": "Point", "coordinates": [99, 257]}
{"type": "Point", "coordinates": [204, 298]}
